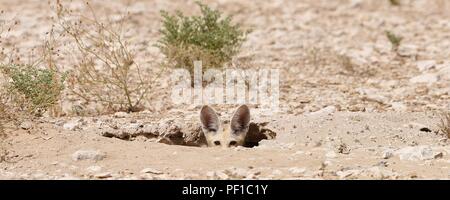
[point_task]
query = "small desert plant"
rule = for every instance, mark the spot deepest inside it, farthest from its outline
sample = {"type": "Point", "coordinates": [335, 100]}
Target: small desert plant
{"type": "Point", "coordinates": [444, 126]}
{"type": "Point", "coordinates": [3, 151]}
{"type": "Point", "coordinates": [209, 38]}
{"type": "Point", "coordinates": [314, 57]}
{"type": "Point", "coordinates": [346, 63]}
{"type": "Point", "coordinates": [2, 31]}
{"type": "Point", "coordinates": [395, 2]}
{"type": "Point", "coordinates": [4, 117]}
{"type": "Point", "coordinates": [105, 70]}
{"type": "Point", "coordinates": [394, 39]}
{"type": "Point", "coordinates": [37, 89]}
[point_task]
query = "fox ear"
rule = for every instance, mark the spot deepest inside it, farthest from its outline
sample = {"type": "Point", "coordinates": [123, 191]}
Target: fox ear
{"type": "Point", "coordinates": [241, 119]}
{"type": "Point", "coordinates": [209, 119]}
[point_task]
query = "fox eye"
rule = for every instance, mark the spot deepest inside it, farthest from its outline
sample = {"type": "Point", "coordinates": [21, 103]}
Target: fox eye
{"type": "Point", "coordinates": [217, 143]}
{"type": "Point", "coordinates": [232, 143]}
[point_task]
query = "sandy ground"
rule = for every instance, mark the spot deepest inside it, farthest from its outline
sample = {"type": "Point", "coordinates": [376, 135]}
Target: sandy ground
{"type": "Point", "coordinates": [371, 118]}
{"type": "Point", "coordinates": [326, 146]}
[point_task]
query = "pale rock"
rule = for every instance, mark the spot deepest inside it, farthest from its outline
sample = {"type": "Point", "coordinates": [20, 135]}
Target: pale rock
{"type": "Point", "coordinates": [324, 111]}
{"type": "Point", "coordinates": [117, 133]}
{"type": "Point", "coordinates": [238, 172]}
{"type": "Point", "coordinates": [418, 153]}
{"type": "Point", "coordinates": [120, 115]}
{"type": "Point", "coordinates": [348, 173]}
{"type": "Point", "coordinates": [425, 65]}
{"type": "Point", "coordinates": [428, 78]}
{"type": "Point", "coordinates": [151, 171]}
{"type": "Point", "coordinates": [377, 98]}
{"type": "Point", "coordinates": [373, 95]}
{"type": "Point", "coordinates": [221, 175]}
{"type": "Point", "coordinates": [26, 125]}
{"type": "Point", "coordinates": [297, 170]}
{"type": "Point", "coordinates": [72, 126]}
{"type": "Point", "coordinates": [444, 72]}
{"type": "Point", "coordinates": [94, 169]}
{"type": "Point", "coordinates": [379, 173]}
{"type": "Point", "coordinates": [399, 106]}
{"type": "Point", "coordinates": [88, 155]}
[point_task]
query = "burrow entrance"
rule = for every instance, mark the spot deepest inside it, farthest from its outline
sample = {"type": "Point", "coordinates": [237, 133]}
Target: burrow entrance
{"type": "Point", "coordinates": [178, 132]}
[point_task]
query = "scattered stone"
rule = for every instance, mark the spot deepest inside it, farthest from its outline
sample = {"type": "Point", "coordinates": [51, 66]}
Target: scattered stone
{"type": "Point", "coordinates": [238, 173]}
{"type": "Point", "coordinates": [151, 171]}
{"type": "Point", "coordinates": [425, 65]}
{"type": "Point", "coordinates": [425, 129]}
{"type": "Point", "coordinates": [444, 72]}
{"type": "Point", "coordinates": [116, 133]}
{"type": "Point", "coordinates": [379, 173]}
{"type": "Point", "coordinates": [348, 173]}
{"type": "Point", "coordinates": [103, 175]}
{"type": "Point", "coordinates": [382, 163]}
{"type": "Point", "coordinates": [88, 155]}
{"type": "Point", "coordinates": [94, 169]}
{"type": "Point", "coordinates": [251, 175]}
{"type": "Point", "coordinates": [26, 125]}
{"type": "Point", "coordinates": [297, 170]}
{"type": "Point", "coordinates": [413, 175]}
{"type": "Point", "coordinates": [418, 153]}
{"type": "Point", "coordinates": [72, 126]}
{"type": "Point", "coordinates": [120, 115]}
{"type": "Point", "coordinates": [428, 78]}
{"type": "Point", "coordinates": [377, 98]}
{"type": "Point", "coordinates": [398, 106]}
{"type": "Point", "coordinates": [324, 111]}
{"type": "Point", "coordinates": [221, 175]}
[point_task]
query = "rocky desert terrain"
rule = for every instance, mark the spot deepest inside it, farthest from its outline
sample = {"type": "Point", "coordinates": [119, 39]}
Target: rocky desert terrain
{"type": "Point", "coordinates": [351, 105]}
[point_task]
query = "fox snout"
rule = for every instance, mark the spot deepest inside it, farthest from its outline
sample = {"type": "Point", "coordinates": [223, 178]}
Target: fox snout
{"type": "Point", "coordinates": [221, 135]}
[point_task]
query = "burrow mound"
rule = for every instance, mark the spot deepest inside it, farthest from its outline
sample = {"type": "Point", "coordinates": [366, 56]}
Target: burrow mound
{"type": "Point", "coordinates": [179, 132]}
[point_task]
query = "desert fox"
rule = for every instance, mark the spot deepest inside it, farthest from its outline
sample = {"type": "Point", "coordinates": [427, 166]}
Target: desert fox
{"type": "Point", "coordinates": [222, 135]}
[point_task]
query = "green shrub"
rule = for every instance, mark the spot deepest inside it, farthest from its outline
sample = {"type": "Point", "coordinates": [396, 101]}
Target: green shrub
{"type": "Point", "coordinates": [3, 136]}
{"type": "Point", "coordinates": [395, 2]}
{"type": "Point", "coordinates": [394, 39]}
{"type": "Point", "coordinates": [38, 89]}
{"type": "Point", "coordinates": [208, 38]}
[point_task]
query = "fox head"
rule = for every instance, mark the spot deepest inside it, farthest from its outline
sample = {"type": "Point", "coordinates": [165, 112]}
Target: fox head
{"type": "Point", "coordinates": [220, 135]}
